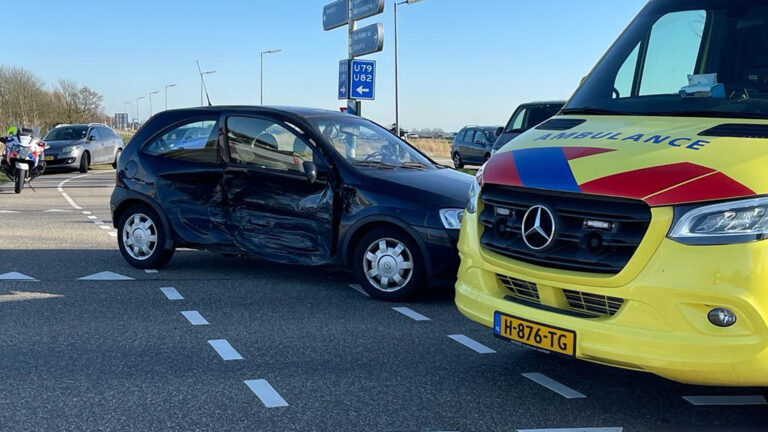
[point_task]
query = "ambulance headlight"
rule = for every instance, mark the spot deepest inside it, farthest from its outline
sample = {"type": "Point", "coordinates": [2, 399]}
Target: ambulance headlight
{"type": "Point", "coordinates": [731, 222]}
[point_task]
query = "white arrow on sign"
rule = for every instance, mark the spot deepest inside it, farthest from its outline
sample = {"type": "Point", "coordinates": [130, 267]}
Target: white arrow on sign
{"type": "Point", "coordinates": [363, 90]}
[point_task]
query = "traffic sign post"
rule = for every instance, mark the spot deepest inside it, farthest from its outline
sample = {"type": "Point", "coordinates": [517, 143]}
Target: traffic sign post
{"type": "Point", "coordinates": [363, 80]}
{"type": "Point", "coordinates": [360, 84]}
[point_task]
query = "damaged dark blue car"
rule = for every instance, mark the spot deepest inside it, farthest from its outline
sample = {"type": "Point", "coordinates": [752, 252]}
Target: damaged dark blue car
{"type": "Point", "coordinates": [290, 185]}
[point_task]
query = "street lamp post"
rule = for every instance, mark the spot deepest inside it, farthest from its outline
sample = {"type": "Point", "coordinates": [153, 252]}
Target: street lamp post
{"type": "Point", "coordinates": [166, 94]}
{"type": "Point", "coordinates": [397, 71]}
{"type": "Point", "coordinates": [150, 101]}
{"type": "Point", "coordinates": [137, 108]}
{"type": "Point", "coordinates": [262, 70]}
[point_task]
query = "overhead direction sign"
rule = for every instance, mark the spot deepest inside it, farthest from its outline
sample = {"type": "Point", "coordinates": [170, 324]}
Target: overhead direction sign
{"type": "Point", "coordinates": [335, 14]}
{"type": "Point", "coordinates": [363, 79]}
{"type": "Point", "coordinates": [368, 40]}
{"type": "Point", "coordinates": [344, 79]}
{"type": "Point", "coordinates": [362, 9]}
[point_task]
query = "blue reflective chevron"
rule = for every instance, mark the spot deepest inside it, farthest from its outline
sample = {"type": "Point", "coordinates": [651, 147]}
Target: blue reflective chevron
{"type": "Point", "coordinates": [545, 168]}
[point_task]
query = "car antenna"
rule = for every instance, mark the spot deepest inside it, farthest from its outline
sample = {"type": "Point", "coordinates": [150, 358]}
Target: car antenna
{"type": "Point", "coordinates": [202, 81]}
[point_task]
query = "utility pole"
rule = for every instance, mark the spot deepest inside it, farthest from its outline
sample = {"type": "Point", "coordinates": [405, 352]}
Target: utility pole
{"type": "Point", "coordinates": [150, 101]}
{"type": "Point", "coordinates": [166, 94]}
{"type": "Point", "coordinates": [275, 51]}
{"type": "Point", "coordinates": [397, 70]}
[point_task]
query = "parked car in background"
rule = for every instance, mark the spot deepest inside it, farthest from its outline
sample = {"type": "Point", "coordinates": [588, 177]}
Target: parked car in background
{"type": "Point", "coordinates": [297, 186]}
{"type": "Point", "coordinates": [82, 145]}
{"type": "Point", "coordinates": [473, 145]}
{"type": "Point", "coordinates": [525, 117]}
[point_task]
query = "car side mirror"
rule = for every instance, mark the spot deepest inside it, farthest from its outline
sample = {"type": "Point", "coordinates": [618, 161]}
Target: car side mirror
{"type": "Point", "coordinates": [499, 131]}
{"type": "Point", "coordinates": [91, 138]}
{"type": "Point", "coordinates": [310, 170]}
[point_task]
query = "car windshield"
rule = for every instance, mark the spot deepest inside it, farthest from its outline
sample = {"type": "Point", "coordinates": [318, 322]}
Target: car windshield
{"type": "Point", "coordinates": [684, 58]}
{"type": "Point", "coordinates": [66, 133]}
{"type": "Point", "coordinates": [364, 143]}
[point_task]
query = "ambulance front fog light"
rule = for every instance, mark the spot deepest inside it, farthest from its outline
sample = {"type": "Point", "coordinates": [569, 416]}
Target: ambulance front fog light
{"type": "Point", "coordinates": [722, 317]}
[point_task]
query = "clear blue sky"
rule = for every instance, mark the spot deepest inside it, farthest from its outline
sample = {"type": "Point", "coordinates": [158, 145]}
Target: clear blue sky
{"type": "Point", "coordinates": [461, 61]}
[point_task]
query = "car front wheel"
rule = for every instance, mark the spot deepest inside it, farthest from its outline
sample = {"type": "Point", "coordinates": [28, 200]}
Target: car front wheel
{"type": "Point", "coordinates": [142, 238]}
{"type": "Point", "coordinates": [457, 162]}
{"type": "Point", "coordinates": [388, 265]}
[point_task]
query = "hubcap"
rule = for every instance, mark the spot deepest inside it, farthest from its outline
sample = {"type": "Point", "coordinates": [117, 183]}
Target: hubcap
{"type": "Point", "coordinates": [139, 236]}
{"type": "Point", "coordinates": [457, 160]}
{"type": "Point", "coordinates": [388, 264]}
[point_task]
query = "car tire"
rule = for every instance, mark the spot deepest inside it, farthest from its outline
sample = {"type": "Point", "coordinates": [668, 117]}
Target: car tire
{"type": "Point", "coordinates": [141, 238]}
{"type": "Point", "coordinates": [457, 162]}
{"type": "Point", "coordinates": [85, 161]}
{"type": "Point", "coordinates": [381, 272]}
{"type": "Point", "coordinates": [117, 158]}
{"type": "Point", "coordinates": [487, 157]}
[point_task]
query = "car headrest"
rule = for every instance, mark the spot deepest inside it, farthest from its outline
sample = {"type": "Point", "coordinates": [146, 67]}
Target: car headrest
{"type": "Point", "coordinates": [267, 139]}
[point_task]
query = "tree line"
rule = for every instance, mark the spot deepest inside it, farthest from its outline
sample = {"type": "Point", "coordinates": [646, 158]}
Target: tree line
{"type": "Point", "coordinates": [26, 100]}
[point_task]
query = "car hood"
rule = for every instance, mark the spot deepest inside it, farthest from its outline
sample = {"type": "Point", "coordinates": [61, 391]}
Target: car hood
{"type": "Point", "coordinates": [63, 143]}
{"type": "Point", "coordinates": [440, 187]}
{"type": "Point", "coordinates": [661, 160]}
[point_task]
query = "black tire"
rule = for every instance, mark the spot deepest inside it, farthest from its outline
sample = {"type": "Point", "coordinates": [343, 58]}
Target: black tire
{"type": "Point", "coordinates": [19, 184]}
{"type": "Point", "coordinates": [457, 162]}
{"type": "Point", "coordinates": [117, 158]}
{"type": "Point", "coordinates": [413, 284]}
{"type": "Point", "coordinates": [160, 255]}
{"type": "Point", "coordinates": [85, 161]}
{"type": "Point", "coordinates": [487, 157]}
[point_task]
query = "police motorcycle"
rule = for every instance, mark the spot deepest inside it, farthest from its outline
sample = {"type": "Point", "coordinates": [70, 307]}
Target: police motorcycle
{"type": "Point", "coordinates": [22, 158]}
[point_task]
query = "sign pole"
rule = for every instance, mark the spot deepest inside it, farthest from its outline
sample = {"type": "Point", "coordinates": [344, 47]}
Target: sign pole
{"type": "Point", "coordinates": [352, 105]}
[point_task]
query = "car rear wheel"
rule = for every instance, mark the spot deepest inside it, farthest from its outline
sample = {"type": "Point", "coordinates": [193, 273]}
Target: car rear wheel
{"type": "Point", "coordinates": [85, 161]}
{"type": "Point", "coordinates": [388, 264]}
{"type": "Point", "coordinates": [142, 238]}
{"type": "Point", "coordinates": [457, 162]}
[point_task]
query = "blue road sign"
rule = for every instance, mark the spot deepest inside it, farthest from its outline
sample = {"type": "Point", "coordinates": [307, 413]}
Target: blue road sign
{"type": "Point", "coordinates": [368, 40]}
{"type": "Point", "coordinates": [335, 14]}
{"type": "Point", "coordinates": [344, 79]}
{"type": "Point", "coordinates": [363, 83]}
{"type": "Point", "coordinates": [366, 8]}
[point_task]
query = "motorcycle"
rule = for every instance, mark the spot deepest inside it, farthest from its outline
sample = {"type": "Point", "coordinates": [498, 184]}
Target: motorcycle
{"type": "Point", "coordinates": [23, 157]}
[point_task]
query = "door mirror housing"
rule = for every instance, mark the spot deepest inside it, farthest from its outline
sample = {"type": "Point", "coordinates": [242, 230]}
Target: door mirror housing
{"type": "Point", "coordinates": [310, 170]}
{"type": "Point", "coordinates": [91, 138]}
{"type": "Point", "coordinates": [499, 131]}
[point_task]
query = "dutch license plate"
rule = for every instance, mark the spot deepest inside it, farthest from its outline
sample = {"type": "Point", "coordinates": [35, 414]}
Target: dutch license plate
{"type": "Point", "coordinates": [49, 158]}
{"type": "Point", "coordinates": [535, 335]}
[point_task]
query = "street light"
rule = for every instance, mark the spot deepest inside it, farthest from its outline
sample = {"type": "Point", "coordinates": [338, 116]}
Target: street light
{"type": "Point", "coordinates": [137, 108]}
{"type": "Point", "coordinates": [202, 82]}
{"type": "Point", "coordinates": [397, 71]}
{"type": "Point", "coordinates": [262, 70]}
{"type": "Point", "coordinates": [150, 101]}
{"type": "Point", "coordinates": [166, 94]}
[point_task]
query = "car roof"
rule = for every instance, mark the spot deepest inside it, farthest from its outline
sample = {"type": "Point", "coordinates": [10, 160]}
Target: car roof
{"type": "Point", "coordinates": [252, 109]}
{"type": "Point", "coordinates": [556, 102]}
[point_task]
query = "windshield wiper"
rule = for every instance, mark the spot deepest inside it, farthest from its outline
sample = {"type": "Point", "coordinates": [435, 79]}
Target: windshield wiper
{"type": "Point", "coordinates": [414, 165]}
{"type": "Point", "coordinates": [374, 164]}
{"type": "Point", "coordinates": [594, 111]}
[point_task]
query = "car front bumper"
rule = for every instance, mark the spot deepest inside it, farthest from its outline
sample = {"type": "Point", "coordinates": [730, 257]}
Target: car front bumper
{"type": "Point", "coordinates": [667, 290]}
{"type": "Point", "coordinates": [68, 160]}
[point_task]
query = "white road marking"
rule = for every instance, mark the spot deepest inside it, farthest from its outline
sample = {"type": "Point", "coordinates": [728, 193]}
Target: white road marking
{"type": "Point", "coordinates": [106, 276]}
{"type": "Point", "coordinates": [194, 318]}
{"type": "Point", "coordinates": [266, 393]}
{"type": "Point", "coordinates": [471, 344]}
{"type": "Point", "coordinates": [56, 211]}
{"type": "Point", "coordinates": [726, 400]}
{"type": "Point", "coordinates": [66, 196]}
{"type": "Point", "coordinates": [113, 234]}
{"type": "Point", "coordinates": [410, 313]}
{"type": "Point", "coordinates": [359, 289]}
{"type": "Point", "coordinates": [553, 385]}
{"type": "Point", "coordinates": [8, 211]}
{"type": "Point", "coordinates": [71, 201]}
{"type": "Point", "coordinates": [92, 217]}
{"type": "Point", "coordinates": [105, 227]}
{"type": "Point", "coordinates": [150, 271]}
{"type": "Point", "coordinates": [86, 212]}
{"type": "Point", "coordinates": [599, 429]}
{"type": "Point", "coordinates": [16, 276]}
{"type": "Point", "coordinates": [22, 296]}
{"type": "Point", "coordinates": [171, 293]}
{"type": "Point", "coordinates": [225, 350]}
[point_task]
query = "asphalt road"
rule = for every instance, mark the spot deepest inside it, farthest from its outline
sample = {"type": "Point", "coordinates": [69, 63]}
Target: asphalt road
{"type": "Point", "coordinates": [308, 352]}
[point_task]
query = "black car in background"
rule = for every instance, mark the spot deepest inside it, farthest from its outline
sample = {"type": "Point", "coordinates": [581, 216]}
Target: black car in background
{"type": "Point", "coordinates": [291, 185]}
{"type": "Point", "coordinates": [525, 117]}
{"type": "Point", "coordinates": [473, 145]}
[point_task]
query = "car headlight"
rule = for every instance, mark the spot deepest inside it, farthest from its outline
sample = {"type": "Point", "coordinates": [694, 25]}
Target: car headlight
{"type": "Point", "coordinates": [474, 191]}
{"type": "Point", "coordinates": [68, 149]}
{"type": "Point", "coordinates": [451, 218]}
{"type": "Point", "coordinates": [725, 223]}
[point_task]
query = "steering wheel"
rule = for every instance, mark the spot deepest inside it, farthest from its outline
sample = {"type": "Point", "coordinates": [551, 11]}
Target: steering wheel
{"type": "Point", "coordinates": [374, 157]}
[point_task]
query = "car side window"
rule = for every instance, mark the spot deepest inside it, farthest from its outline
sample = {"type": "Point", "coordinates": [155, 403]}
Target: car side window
{"type": "Point", "coordinates": [517, 123]}
{"type": "Point", "coordinates": [106, 133]}
{"type": "Point", "coordinates": [95, 134]}
{"type": "Point", "coordinates": [196, 141]}
{"type": "Point", "coordinates": [470, 136]}
{"type": "Point", "coordinates": [265, 143]}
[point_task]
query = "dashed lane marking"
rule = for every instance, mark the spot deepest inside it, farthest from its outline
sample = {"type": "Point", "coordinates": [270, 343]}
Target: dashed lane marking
{"type": "Point", "coordinates": [171, 293]}
{"type": "Point", "coordinates": [86, 212]}
{"type": "Point", "coordinates": [359, 289]}
{"type": "Point", "coordinates": [92, 217]}
{"type": "Point", "coordinates": [472, 344]}
{"type": "Point", "coordinates": [149, 271]}
{"type": "Point", "coordinates": [266, 393]}
{"type": "Point", "coordinates": [113, 234]}
{"type": "Point", "coordinates": [194, 318]}
{"type": "Point", "coordinates": [726, 400]}
{"type": "Point", "coordinates": [16, 276]}
{"type": "Point", "coordinates": [553, 385]}
{"type": "Point", "coordinates": [7, 211]}
{"type": "Point", "coordinates": [410, 313]}
{"type": "Point", "coordinates": [56, 211]}
{"type": "Point", "coordinates": [106, 276]}
{"type": "Point", "coordinates": [224, 349]}
{"type": "Point", "coordinates": [105, 227]}
{"type": "Point", "coordinates": [599, 429]}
